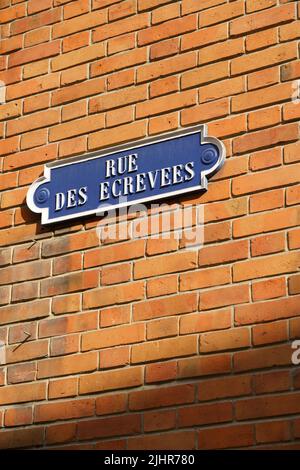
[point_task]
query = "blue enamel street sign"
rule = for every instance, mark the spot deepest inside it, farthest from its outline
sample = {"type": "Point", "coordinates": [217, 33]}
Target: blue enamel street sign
{"type": "Point", "coordinates": [146, 170]}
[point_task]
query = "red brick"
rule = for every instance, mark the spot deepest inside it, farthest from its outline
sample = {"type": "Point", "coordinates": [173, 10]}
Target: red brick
{"type": "Point", "coordinates": [75, 146]}
{"type": "Point", "coordinates": [261, 20]}
{"type": "Point", "coordinates": [267, 244]}
{"type": "Point", "coordinates": [106, 427]}
{"type": "Point", "coordinates": [166, 67]}
{"type": "Point", "coordinates": [18, 417]}
{"type": "Point", "coordinates": [256, 60]}
{"type": "Point", "coordinates": [118, 99]}
{"type": "Point", "coordinates": [261, 39]}
{"type": "Point", "coordinates": [162, 328]}
{"type": "Point", "coordinates": [164, 349]}
{"type": "Point", "coordinates": [34, 53]}
{"type": "Point", "coordinates": [77, 127]}
{"type": "Point", "coordinates": [267, 222]}
{"type": "Point", "coordinates": [114, 316]}
{"type": "Point", "coordinates": [171, 441]}
{"type": "Point", "coordinates": [121, 27]}
{"type": "Point", "coordinates": [36, 121]}
{"type": "Point", "coordinates": [175, 305]}
{"type": "Point", "coordinates": [221, 13]}
{"type": "Point", "coordinates": [76, 74]}
{"type": "Point", "coordinates": [205, 414]}
{"type": "Point", "coordinates": [262, 358]}
{"type": "Point", "coordinates": [253, 269]}
{"type": "Point", "coordinates": [266, 311]}
{"type": "Point", "coordinates": [268, 289]}
{"type": "Point", "coordinates": [229, 252]}
{"type": "Point", "coordinates": [25, 291]}
{"type": "Point", "coordinates": [162, 286]}
{"type": "Point", "coordinates": [161, 397]}
{"type": "Point", "coordinates": [197, 367]}
{"type": "Point", "coordinates": [289, 31]}
{"type": "Point", "coordinates": [205, 321]}
{"type": "Point", "coordinates": [164, 86]}
{"type": "Point", "coordinates": [262, 78]}
{"type": "Point", "coordinates": [33, 86]}
{"type": "Point", "coordinates": [87, 21]}
{"type": "Point", "coordinates": [204, 37]}
{"type": "Point", "coordinates": [224, 340]}
{"type": "Point", "coordinates": [76, 8]}
{"type": "Point", "coordinates": [163, 420]}
{"type": "Point", "coordinates": [30, 350]}
{"type": "Point", "coordinates": [34, 6]}
{"type": "Point", "coordinates": [164, 49]}
{"type": "Point", "coordinates": [294, 284]}
{"type": "Point", "coordinates": [291, 153]}
{"type": "Point", "coordinates": [266, 201]}
{"type": "Point", "coordinates": [12, 394]}
{"type": "Point", "coordinates": [34, 139]}
{"type": "Point", "coordinates": [115, 357]}
{"type": "Point", "coordinates": [10, 110]}
{"type": "Point", "coordinates": [113, 337]}
{"type": "Point", "coordinates": [29, 437]}
{"type": "Point", "coordinates": [270, 333]}
{"type": "Point", "coordinates": [60, 433]}
{"type": "Point", "coordinates": [121, 43]}
{"type": "Point", "coordinates": [226, 437]}
{"type": "Point", "coordinates": [36, 21]}
{"type": "Point", "coordinates": [223, 50]}
{"type": "Point", "coordinates": [164, 265]}
{"type": "Point", "coordinates": [290, 71]}
{"type": "Point", "coordinates": [271, 382]}
{"type": "Point", "coordinates": [64, 410]}
{"type": "Point", "coordinates": [205, 112]}
{"type": "Point", "coordinates": [13, 13]}
{"type": "Point", "coordinates": [263, 97]}
{"type": "Point", "coordinates": [79, 56]}
{"type": "Point", "coordinates": [225, 387]}
{"type": "Point", "coordinates": [78, 91]}
{"type": "Point", "coordinates": [63, 388]}
{"type": "Point", "coordinates": [111, 380]}
{"type": "Point", "coordinates": [160, 372]}
{"type": "Point", "coordinates": [66, 325]}
{"type": "Point", "coordinates": [293, 195]}
{"type": "Point", "coordinates": [268, 406]}
{"type": "Point", "coordinates": [76, 41]}
{"type": "Point", "coordinates": [111, 404]}
{"type": "Point", "coordinates": [66, 304]}
{"type": "Point", "coordinates": [69, 283]}
{"type": "Point", "coordinates": [167, 122]}
{"type": "Point", "coordinates": [126, 8]}
{"type": "Point", "coordinates": [167, 30]}
{"type": "Point", "coordinates": [21, 373]}
{"type": "Point", "coordinates": [272, 432]}
{"type": "Point", "coordinates": [110, 137]}
{"type": "Point", "coordinates": [115, 274]}
{"type": "Point", "coordinates": [37, 36]}
{"type": "Point", "coordinates": [166, 103]}
{"type": "Point", "coordinates": [113, 295]}
{"type": "Point", "coordinates": [26, 311]}
{"type": "Point", "coordinates": [64, 345]}
{"type": "Point", "coordinates": [255, 5]}
{"type": "Point", "coordinates": [205, 74]}
{"type": "Point", "coordinates": [67, 365]}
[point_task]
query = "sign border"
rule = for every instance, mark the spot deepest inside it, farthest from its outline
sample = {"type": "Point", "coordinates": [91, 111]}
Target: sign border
{"type": "Point", "coordinates": [205, 139]}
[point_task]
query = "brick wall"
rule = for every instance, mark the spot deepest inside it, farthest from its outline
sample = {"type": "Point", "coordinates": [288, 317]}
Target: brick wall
{"type": "Point", "coordinates": [142, 343]}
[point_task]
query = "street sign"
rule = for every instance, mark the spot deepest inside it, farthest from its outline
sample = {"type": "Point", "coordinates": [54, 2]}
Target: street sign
{"type": "Point", "coordinates": [147, 170]}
